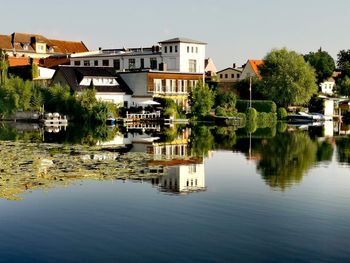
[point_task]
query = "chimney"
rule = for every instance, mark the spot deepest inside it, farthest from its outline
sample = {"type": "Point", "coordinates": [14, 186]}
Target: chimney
{"type": "Point", "coordinates": [234, 65]}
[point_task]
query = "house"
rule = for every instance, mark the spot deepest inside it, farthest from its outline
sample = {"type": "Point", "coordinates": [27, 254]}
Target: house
{"type": "Point", "coordinates": [230, 74]}
{"type": "Point", "coordinates": [109, 87]}
{"type": "Point", "coordinates": [251, 69]}
{"type": "Point", "coordinates": [37, 46]}
{"type": "Point", "coordinates": [327, 86]}
{"type": "Point", "coordinates": [176, 55]}
{"type": "Point", "coordinates": [149, 84]}
{"type": "Point", "coordinates": [209, 70]}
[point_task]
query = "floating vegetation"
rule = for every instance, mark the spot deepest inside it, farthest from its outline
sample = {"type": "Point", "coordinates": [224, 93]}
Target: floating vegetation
{"type": "Point", "coordinates": [29, 166]}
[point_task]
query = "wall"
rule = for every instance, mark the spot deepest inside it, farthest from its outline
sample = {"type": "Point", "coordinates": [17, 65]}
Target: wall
{"type": "Point", "coordinates": [185, 57]}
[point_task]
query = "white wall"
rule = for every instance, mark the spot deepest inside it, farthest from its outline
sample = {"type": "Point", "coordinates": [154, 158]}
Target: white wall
{"type": "Point", "coordinates": [185, 57]}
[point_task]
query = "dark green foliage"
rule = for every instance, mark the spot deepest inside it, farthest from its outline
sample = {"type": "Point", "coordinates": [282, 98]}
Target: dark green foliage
{"type": "Point", "coordinates": [265, 119]}
{"type": "Point", "coordinates": [343, 149]}
{"type": "Point", "coordinates": [324, 151]}
{"type": "Point", "coordinates": [343, 86]}
{"type": "Point", "coordinates": [242, 89]}
{"type": "Point", "coordinates": [226, 104]}
{"type": "Point", "coordinates": [281, 113]}
{"type": "Point", "coordinates": [316, 104]}
{"type": "Point", "coordinates": [259, 105]}
{"type": "Point", "coordinates": [23, 72]}
{"type": "Point", "coordinates": [202, 141]}
{"type": "Point", "coordinates": [343, 62]}
{"type": "Point", "coordinates": [170, 108]}
{"type": "Point", "coordinates": [322, 62]}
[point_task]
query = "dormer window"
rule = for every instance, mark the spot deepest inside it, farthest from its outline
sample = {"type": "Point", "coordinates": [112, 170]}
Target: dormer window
{"type": "Point", "coordinates": [51, 50]}
{"type": "Point", "coordinates": [25, 46]}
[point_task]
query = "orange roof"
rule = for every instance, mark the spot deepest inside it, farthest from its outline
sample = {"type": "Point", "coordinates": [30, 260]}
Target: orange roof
{"type": "Point", "coordinates": [20, 61]}
{"type": "Point", "coordinates": [67, 47]}
{"type": "Point", "coordinates": [254, 63]}
{"type": "Point", "coordinates": [5, 42]}
{"type": "Point", "coordinates": [53, 62]}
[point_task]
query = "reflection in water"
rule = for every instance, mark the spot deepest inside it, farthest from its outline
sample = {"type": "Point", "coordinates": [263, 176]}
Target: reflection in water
{"type": "Point", "coordinates": [172, 158]}
{"type": "Point", "coordinates": [286, 158]}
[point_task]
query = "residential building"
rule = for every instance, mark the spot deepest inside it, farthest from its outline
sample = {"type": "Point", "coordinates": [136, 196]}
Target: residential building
{"type": "Point", "coordinates": [109, 87]}
{"type": "Point", "coordinates": [231, 74]}
{"type": "Point", "coordinates": [175, 55]}
{"type": "Point", "coordinates": [327, 86]}
{"type": "Point", "coordinates": [148, 84]}
{"type": "Point", "coordinates": [251, 69]}
{"type": "Point", "coordinates": [37, 46]}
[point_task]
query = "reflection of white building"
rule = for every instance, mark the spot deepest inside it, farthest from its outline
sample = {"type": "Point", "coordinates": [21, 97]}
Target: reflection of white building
{"type": "Point", "coordinates": [184, 178]}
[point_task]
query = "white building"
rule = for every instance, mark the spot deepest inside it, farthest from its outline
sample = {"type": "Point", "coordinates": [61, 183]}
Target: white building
{"type": "Point", "coordinates": [177, 54]}
{"type": "Point", "coordinates": [327, 86]}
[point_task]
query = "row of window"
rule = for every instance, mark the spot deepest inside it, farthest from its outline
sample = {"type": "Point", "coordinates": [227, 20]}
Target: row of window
{"type": "Point", "coordinates": [116, 63]}
{"type": "Point", "coordinates": [172, 85]}
{"type": "Point", "coordinates": [192, 49]}
{"type": "Point", "coordinates": [171, 48]}
{"type": "Point", "coordinates": [232, 76]}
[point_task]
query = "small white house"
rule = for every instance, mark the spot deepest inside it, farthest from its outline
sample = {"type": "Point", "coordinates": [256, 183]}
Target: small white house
{"type": "Point", "coordinates": [327, 86]}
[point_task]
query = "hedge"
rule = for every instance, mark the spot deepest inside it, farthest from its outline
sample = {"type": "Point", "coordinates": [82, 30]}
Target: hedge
{"type": "Point", "coordinates": [260, 105]}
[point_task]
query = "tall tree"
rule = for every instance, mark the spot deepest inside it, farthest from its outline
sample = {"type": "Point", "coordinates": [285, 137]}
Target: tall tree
{"type": "Point", "coordinates": [323, 64]}
{"type": "Point", "coordinates": [343, 61]}
{"type": "Point", "coordinates": [287, 78]}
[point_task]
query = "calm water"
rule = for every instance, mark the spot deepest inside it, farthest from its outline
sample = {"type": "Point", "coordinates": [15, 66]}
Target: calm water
{"type": "Point", "coordinates": [209, 194]}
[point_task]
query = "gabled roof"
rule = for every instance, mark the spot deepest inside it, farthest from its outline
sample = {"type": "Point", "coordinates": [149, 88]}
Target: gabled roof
{"type": "Point", "coordinates": [74, 75]}
{"type": "Point", "coordinates": [230, 68]}
{"type": "Point", "coordinates": [182, 40]}
{"type": "Point", "coordinates": [255, 63]}
{"type": "Point", "coordinates": [67, 47]}
{"type": "Point", "coordinates": [25, 42]}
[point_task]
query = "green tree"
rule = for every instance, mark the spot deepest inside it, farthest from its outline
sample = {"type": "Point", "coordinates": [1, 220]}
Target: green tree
{"type": "Point", "coordinates": [343, 86]}
{"type": "Point", "coordinates": [287, 78]}
{"type": "Point", "coordinates": [322, 62]}
{"type": "Point", "coordinates": [3, 66]}
{"type": "Point", "coordinates": [343, 61]}
{"type": "Point", "coordinates": [201, 99]}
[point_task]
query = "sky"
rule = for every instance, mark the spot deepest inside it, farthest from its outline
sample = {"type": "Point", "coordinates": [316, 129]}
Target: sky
{"type": "Point", "coordinates": [233, 30]}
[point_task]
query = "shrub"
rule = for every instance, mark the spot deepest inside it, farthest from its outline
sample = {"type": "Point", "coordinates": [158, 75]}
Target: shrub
{"type": "Point", "coordinates": [259, 105]}
{"type": "Point", "coordinates": [281, 113]}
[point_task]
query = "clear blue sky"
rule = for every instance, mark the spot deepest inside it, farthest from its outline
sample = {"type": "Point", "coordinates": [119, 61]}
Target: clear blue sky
{"type": "Point", "coordinates": [234, 30]}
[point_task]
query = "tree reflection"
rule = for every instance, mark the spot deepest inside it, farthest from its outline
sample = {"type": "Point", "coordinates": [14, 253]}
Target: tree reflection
{"type": "Point", "coordinates": [202, 140]}
{"type": "Point", "coordinates": [286, 158]}
{"type": "Point", "coordinates": [343, 149]}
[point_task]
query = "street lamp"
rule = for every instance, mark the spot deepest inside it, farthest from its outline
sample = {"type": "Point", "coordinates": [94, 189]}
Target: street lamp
{"type": "Point", "coordinates": [250, 91]}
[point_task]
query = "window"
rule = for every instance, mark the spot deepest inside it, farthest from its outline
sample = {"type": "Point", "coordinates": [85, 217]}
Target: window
{"type": "Point", "coordinates": [96, 63]}
{"type": "Point", "coordinates": [175, 49]}
{"type": "Point", "coordinates": [142, 62]}
{"type": "Point", "coordinates": [232, 76]}
{"type": "Point", "coordinates": [238, 76]}
{"type": "Point", "coordinates": [132, 63]}
{"type": "Point", "coordinates": [220, 76]}
{"type": "Point", "coordinates": [179, 85]}
{"type": "Point", "coordinates": [153, 63]}
{"type": "Point", "coordinates": [188, 49]}
{"type": "Point", "coordinates": [192, 65]}
{"type": "Point", "coordinates": [157, 85]}
{"type": "Point", "coordinates": [77, 63]}
{"type": "Point", "coordinates": [226, 76]}
{"type": "Point", "coordinates": [116, 64]}
{"type": "Point", "coordinates": [196, 49]}
{"type": "Point", "coordinates": [165, 49]}
{"type": "Point", "coordinates": [171, 49]}
{"type": "Point", "coordinates": [86, 63]}
{"type": "Point", "coordinates": [191, 49]}
{"type": "Point", "coordinates": [105, 63]}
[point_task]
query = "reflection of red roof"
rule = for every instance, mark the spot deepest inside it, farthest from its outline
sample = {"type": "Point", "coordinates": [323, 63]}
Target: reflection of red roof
{"type": "Point", "coordinates": [255, 64]}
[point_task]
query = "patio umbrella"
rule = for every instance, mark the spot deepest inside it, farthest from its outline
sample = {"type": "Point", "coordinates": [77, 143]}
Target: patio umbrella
{"type": "Point", "coordinates": [148, 102]}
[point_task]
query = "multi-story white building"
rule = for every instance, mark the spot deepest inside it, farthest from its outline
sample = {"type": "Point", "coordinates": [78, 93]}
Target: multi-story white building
{"type": "Point", "coordinates": [177, 54]}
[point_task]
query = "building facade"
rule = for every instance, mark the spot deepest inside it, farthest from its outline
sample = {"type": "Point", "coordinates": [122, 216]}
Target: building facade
{"type": "Point", "coordinates": [176, 55]}
{"type": "Point", "coordinates": [251, 69]}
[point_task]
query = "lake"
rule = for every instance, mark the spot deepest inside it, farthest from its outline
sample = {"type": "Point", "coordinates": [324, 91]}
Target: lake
{"type": "Point", "coordinates": [175, 194]}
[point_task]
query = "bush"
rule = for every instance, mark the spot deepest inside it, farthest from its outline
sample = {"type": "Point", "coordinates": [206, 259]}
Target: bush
{"type": "Point", "coordinates": [220, 111]}
{"type": "Point", "coordinates": [281, 113]}
{"type": "Point", "coordinates": [259, 105]}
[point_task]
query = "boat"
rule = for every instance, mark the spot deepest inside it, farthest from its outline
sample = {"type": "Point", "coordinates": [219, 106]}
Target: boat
{"type": "Point", "coordinates": [300, 118]}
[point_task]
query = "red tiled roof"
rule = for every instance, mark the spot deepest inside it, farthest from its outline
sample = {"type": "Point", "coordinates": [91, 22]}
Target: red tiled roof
{"type": "Point", "coordinates": [67, 47]}
{"type": "Point", "coordinates": [53, 62]}
{"type": "Point", "coordinates": [17, 41]}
